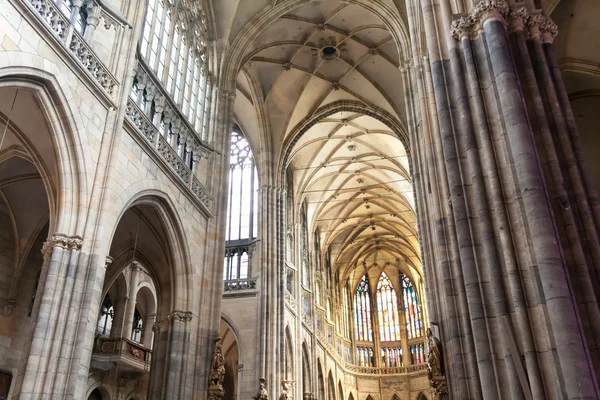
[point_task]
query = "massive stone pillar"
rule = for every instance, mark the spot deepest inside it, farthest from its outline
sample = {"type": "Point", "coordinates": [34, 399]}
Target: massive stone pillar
{"type": "Point", "coordinates": [70, 287]}
{"type": "Point", "coordinates": [513, 233]}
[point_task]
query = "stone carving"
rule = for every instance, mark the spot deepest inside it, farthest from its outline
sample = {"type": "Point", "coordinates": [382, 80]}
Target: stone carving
{"type": "Point", "coordinates": [435, 364]}
{"type": "Point", "coordinates": [64, 242]}
{"type": "Point", "coordinates": [287, 390]}
{"type": "Point", "coordinates": [472, 22]}
{"type": "Point", "coordinates": [92, 63]}
{"type": "Point", "coordinates": [217, 373]}
{"type": "Point", "coordinates": [262, 393]}
{"type": "Point", "coordinates": [183, 316]}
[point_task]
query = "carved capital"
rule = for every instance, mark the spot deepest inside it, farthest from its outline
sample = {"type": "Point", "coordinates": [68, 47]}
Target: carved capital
{"type": "Point", "coordinates": [107, 261]}
{"type": "Point", "coordinates": [65, 242]}
{"type": "Point", "coordinates": [534, 23]}
{"type": "Point", "coordinates": [183, 316]}
{"type": "Point", "coordinates": [549, 30]}
{"type": "Point", "coordinates": [517, 18]}
{"type": "Point", "coordinates": [471, 23]}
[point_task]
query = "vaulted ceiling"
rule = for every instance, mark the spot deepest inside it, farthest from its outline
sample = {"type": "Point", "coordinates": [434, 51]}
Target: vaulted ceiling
{"type": "Point", "coordinates": [348, 165]}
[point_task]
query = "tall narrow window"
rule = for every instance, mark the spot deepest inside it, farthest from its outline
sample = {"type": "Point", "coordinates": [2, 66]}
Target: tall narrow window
{"type": "Point", "coordinates": [137, 328]}
{"type": "Point", "coordinates": [362, 311]}
{"type": "Point", "coordinates": [243, 183]}
{"type": "Point", "coordinates": [412, 310]}
{"type": "Point", "coordinates": [105, 321]}
{"type": "Point", "coordinates": [387, 307]}
{"type": "Point", "coordinates": [242, 208]}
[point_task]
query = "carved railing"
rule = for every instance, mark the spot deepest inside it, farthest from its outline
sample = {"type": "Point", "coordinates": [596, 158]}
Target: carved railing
{"type": "Point", "coordinates": [158, 142]}
{"type": "Point", "coordinates": [355, 369]}
{"type": "Point", "coordinates": [122, 347]}
{"type": "Point", "coordinates": [239, 285]}
{"type": "Point", "coordinates": [49, 14]}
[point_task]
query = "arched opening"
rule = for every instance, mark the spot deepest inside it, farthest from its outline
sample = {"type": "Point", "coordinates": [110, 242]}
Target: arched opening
{"type": "Point", "coordinates": [99, 393]}
{"type": "Point", "coordinates": [230, 349]}
{"type": "Point", "coordinates": [331, 387]}
{"type": "Point", "coordinates": [340, 390]}
{"type": "Point", "coordinates": [421, 396]}
{"type": "Point", "coordinates": [139, 285]}
{"type": "Point", "coordinates": [320, 381]}
{"type": "Point", "coordinates": [30, 177]}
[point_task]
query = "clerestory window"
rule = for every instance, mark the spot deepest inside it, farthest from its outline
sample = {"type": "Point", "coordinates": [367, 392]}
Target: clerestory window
{"type": "Point", "coordinates": [242, 208]}
{"type": "Point", "coordinates": [173, 45]}
{"type": "Point", "coordinates": [384, 336]}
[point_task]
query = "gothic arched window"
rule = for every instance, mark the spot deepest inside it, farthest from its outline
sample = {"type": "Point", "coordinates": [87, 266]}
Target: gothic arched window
{"type": "Point", "coordinates": [412, 309]}
{"type": "Point", "coordinates": [137, 328]}
{"type": "Point", "coordinates": [362, 311]}
{"type": "Point", "coordinates": [173, 45]}
{"type": "Point", "coordinates": [242, 209]}
{"type": "Point", "coordinates": [107, 314]}
{"type": "Point", "coordinates": [387, 307]}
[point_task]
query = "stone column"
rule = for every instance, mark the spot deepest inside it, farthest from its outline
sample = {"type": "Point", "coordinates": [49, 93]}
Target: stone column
{"type": "Point", "coordinates": [134, 279]}
{"type": "Point", "coordinates": [513, 285]}
{"type": "Point", "coordinates": [147, 337]}
{"type": "Point", "coordinates": [52, 339]}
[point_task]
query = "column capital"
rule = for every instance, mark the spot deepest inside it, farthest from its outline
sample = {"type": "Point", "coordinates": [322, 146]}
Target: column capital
{"type": "Point", "coordinates": [60, 240]}
{"type": "Point", "coordinates": [471, 23]}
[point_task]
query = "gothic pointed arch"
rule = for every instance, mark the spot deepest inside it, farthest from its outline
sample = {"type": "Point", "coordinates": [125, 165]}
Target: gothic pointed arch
{"type": "Point", "coordinates": [421, 396]}
{"type": "Point", "coordinates": [331, 395]}
{"type": "Point", "coordinates": [320, 380]}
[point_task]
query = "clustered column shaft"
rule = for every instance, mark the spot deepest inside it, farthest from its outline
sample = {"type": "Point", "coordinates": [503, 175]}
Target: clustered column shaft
{"type": "Point", "coordinates": [514, 218]}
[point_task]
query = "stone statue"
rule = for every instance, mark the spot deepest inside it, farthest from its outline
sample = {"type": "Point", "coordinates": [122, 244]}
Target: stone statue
{"type": "Point", "coordinates": [435, 364]}
{"type": "Point", "coordinates": [287, 390]}
{"type": "Point", "coordinates": [217, 373]}
{"type": "Point", "coordinates": [262, 393]}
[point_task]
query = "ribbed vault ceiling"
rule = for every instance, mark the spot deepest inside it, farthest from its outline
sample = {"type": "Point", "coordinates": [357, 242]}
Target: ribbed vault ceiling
{"type": "Point", "coordinates": [349, 167]}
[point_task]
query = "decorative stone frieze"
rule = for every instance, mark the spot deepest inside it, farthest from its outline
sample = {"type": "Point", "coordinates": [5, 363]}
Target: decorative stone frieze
{"type": "Point", "coordinates": [237, 285]}
{"type": "Point", "coordinates": [65, 242]}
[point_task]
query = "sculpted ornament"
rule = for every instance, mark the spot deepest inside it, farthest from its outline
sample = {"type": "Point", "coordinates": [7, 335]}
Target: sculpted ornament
{"type": "Point", "coordinates": [287, 390]}
{"type": "Point", "coordinates": [64, 242]}
{"type": "Point", "coordinates": [262, 393]}
{"type": "Point", "coordinates": [471, 23]}
{"type": "Point", "coordinates": [435, 364]}
{"type": "Point", "coordinates": [217, 373]}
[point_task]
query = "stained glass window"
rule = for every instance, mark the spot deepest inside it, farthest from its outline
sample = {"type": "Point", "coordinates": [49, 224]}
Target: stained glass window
{"type": "Point", "coordinates": [412, 310]}
{"type": "Point", "coordinates": [365, 356]}
{"type": "Point", "coordinates": [417, 353]}
{"type": "Point", "coordinates": [387, 308]}
{"type": "Point", "coordinates": [391, 357]}
{"type": "Point", "coordinates": [362, 311]}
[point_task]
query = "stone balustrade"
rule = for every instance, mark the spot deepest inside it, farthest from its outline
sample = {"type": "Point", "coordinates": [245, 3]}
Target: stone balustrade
{"type": "Point", "coordinates": [48, 13]}
{"type": "Point", "coordinates": [161, 145]}
{"type": "Point", "coordinates": [239, 285]}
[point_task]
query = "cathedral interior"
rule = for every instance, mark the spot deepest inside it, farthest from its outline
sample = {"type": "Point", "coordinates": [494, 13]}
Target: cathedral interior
{"type": "Point", "coordinates": [299, 199]}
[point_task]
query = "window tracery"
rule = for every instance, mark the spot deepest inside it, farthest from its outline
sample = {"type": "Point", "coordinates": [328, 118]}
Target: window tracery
{"type": "Point", "coordinates": [242, 209]}
{"type": "Point", "coordinates": [387, 307]}
{"type": "Point", "coordinates": [362, 311]}
{"type": "Point", "coordinates": [381, 323]}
